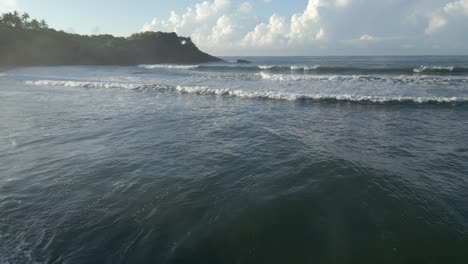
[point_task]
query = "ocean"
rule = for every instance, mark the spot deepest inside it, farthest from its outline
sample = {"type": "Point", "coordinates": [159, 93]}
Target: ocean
{"type": "Point", "coordinates": [284, 160]}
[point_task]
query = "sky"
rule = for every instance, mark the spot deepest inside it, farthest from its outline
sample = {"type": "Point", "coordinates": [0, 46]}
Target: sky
{"type": "Point", "coordinates": [272, 27]}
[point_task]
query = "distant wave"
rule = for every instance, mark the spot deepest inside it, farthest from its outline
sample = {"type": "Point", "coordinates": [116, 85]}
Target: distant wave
{"type": "Point", "coordinates": [304, 68]}
{"type": "Point", "coordinates": [438, 69]}
{"type": "Point", "coordinates": [115, 85]}
{"type": "Point", "coordinates": [317, 69]}
{"type": "Point", "coordinates": [317, 97]}
{"type": "Point", "coordinates": [168, 66]}
{"type": "Point", "coordinates": [267, 67]}
{"type": "Point", "coordinates": [355, 70]}
{"type": "Point", "coordinates": [407, 79]}
{"type": "Point", "coordinates": [270, 95]}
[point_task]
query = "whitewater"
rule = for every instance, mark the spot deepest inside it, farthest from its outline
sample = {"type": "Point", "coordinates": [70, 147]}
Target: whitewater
{"type": "Point", "coordinates": [283, 160]}
{"type": "Point", "coordinates": [380, 80]}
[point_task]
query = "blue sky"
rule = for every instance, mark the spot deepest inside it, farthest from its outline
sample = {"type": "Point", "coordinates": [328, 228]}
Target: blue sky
{"type": "Point", "coordinates": [124, 17]}
{"type": "Point", "coordinates": [273, 27]}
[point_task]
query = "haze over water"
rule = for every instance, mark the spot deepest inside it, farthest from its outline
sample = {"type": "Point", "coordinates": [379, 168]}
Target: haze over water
{"type": "Point", "coordinates": [285, 160]}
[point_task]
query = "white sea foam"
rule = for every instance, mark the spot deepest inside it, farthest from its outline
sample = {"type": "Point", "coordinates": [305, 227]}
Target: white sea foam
{"type": "Point", "coordinates": [290, 96]}
{"type": "Point", "coordinates": [423, 69]}
{"type": "Point", "coordinates": [168, 66]}
{"type": "Point", "coordinates": [115, 85]}
{"type": "Point", "coordinates": [292, 68]}
{"type": "Point", "coordinates": [303, 68]}
{"type": "Point", "coordinates": [261, 94]}
{"type": "Point", "coordinates": [267, 67]}
{"type": "Point", "coordinates": [297, 68]}
{"type": "Point", "coordinates": [403, 79]}
{"type": "Point", "coordinates": [302, 77]}
{"type": "Point", "coordinates": [308, 68]}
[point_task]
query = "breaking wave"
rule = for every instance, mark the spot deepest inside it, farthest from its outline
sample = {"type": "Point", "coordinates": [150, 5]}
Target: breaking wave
{"type": "Point", "coordinates": [317, 69]}
{"type": "Point", "coordinates": [354, 70]}
{"type": "Point", "coordinates": [168, 66]}
{"type": "Point", "coordinates": [114, 85]}
{"type": "Point", "coordinates": [402, 79]}
{"type": "Point", "coordinates": [437, 69]}
{"type": "Point", "coordinates": [263, 94]}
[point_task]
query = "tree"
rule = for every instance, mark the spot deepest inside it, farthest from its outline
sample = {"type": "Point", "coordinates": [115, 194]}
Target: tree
{"type": "Point", "coordinates": [8, 19]}
{"type": "Point", "coordinates": [43, 24]}
{"type": "Point", "coordinates": [35, 24]}
{"type": "Point", "coordinates": [18, 23]}
{"type": "Point", "coordinates": [25, 19]}
{"type": "Point", "coordinates": [15, 20]}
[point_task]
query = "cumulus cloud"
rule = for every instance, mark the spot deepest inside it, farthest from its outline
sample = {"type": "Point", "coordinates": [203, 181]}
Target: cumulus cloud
{"type": "Point", "coordinates": [458, 7]}
{"type": "Point", "coordinates": [436, 23]}
{"type": "Point", "coordinates": [273, 34]}
{"type": "Point", "coordinates": [324, 26]}
{"type": "Point", "coordinates": [451, 14]}
{"type": "Point", "coordinates": [343, 3]}
{"type": "Point", "coordinates": [367, 40]}
{"type": "Point", "coordinates": [245, 7]}
{"type": "Point", "coordinates": [7, 5]}
{"type": "Point", "coordinates": [301, 30]}
{"type": "Point", "coordinates": [213, 25]}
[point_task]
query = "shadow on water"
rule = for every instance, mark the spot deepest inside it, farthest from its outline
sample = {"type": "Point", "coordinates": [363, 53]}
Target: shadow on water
{"type": "Point", "coordinates": [325, 213]}
{"type": "Point", "coordinates": [331, 214]}
{"type": "Point", "coordinates": [331, 211]}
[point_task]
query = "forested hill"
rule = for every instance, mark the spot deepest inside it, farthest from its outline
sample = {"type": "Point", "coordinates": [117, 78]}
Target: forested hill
{"type": "Point", "coordinates": [26, 42]}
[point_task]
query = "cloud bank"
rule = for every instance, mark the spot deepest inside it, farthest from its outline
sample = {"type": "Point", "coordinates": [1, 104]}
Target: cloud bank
{"type": "Point", "coordinates": [324, 27]}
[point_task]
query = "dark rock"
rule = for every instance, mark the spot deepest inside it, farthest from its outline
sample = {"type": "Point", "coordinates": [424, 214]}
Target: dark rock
{"type": "Point", "coordinates": [243, 61]}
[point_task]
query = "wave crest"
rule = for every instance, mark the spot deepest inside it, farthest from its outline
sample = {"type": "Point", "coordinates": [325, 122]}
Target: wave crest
{"type": "Point", "coordinates": [106, 85]}
{"type": "Point", "coordinates": [168, 66]}
{"type": "Point", "coordinates": [434, 69]}
{"type": "Point", "coordinates": [264, 94]}
{"type": "Point", "coordinates": [340, 70]}
{"type": "Point", "coordinates": [318, 69]}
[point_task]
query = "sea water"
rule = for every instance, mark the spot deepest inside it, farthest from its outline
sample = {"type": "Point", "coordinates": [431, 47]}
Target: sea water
{"type": "Point", "coordinates": [284, 160]}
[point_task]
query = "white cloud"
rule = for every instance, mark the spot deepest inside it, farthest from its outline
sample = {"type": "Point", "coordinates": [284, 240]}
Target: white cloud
{"type": "Point", "coordinates": [245, 7]}
{"type": "Point", "coordinates": [206, 10]}
{"type": "Point", "coordinates": [343, 3]}
{"type": "Point", "coordinates": [436, 23]}
{"type": "Point", "coordinates": [213, 25]}
{"type": "Point", "coordinates": [366, 37]}
{"type": "Point", "coordinates": [272, 34]}
{"type": "Point", "coordinates": [303, 29]}
{"type": "Point", "coordinates": [232, 27]}
{"type": "Point", "coordinates": [458, 7]}
{"type": "Point", "coordinates": [223, 30]}
{"type": "Point", "coordinates": [452, 13]}
{"type": "Point", "coordinates": [305, 26]}
{"type": "Point", "coordinates": [217, 25]}
{"type": "Point", "coordinates": [7, 5]}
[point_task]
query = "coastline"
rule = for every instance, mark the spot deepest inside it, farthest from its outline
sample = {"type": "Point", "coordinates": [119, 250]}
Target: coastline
{"type": "Point", "coordinates": [48, 47]}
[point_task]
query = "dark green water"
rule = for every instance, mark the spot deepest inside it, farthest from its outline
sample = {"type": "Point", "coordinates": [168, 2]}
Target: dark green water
{"type": "Point", "coordinates": [116, 176]}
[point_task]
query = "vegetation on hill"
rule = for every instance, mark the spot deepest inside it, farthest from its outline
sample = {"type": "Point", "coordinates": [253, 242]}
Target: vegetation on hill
{"type": "Point", "coordinates": [29, 42]}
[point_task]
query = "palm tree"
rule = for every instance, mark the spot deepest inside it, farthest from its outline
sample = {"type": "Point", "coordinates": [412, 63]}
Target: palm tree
{"type": "Point", "coordinates": [8, 19]}
{"type": "Point", "coordinates": [25, 19]}
{"type": "Point", "coordinates": [35, 24]}
{"type": "Point", "coordinates": [17, 19]}
{"type": "Point", "coordinates": [43, 24]}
